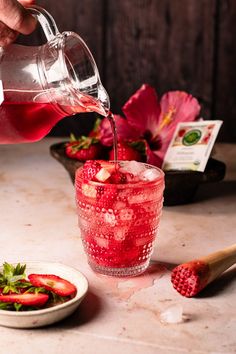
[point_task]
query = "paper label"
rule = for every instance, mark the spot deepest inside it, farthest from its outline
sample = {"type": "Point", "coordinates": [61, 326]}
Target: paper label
{"type": "Point", "coordinates": [191, 145]}
{"type": "Point", "coordinates": [1, 93]}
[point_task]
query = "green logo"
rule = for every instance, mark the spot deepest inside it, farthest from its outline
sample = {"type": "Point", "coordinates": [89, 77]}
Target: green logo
{"type": "Point", "coordinates": [192, 137]}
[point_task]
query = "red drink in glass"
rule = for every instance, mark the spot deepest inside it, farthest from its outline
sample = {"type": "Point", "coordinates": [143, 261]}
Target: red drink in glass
{"type": "Point", "coordinates": [119, 222]}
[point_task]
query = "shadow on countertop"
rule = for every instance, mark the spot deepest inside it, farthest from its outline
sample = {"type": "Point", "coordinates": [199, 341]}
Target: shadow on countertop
{"type": "Point", "coordinates": [89, 308]}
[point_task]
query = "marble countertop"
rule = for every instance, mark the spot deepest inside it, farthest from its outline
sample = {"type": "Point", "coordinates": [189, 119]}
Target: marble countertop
{"type": "Point", "coordinates": [38, 222]}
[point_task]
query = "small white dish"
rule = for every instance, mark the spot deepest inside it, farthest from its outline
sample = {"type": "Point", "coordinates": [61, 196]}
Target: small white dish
{"type": "Point", "coordinates": [47, 316]}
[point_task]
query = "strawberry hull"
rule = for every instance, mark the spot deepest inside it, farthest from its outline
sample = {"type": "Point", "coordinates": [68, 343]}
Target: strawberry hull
{"type": "Point", "coordinates": [119, 223]}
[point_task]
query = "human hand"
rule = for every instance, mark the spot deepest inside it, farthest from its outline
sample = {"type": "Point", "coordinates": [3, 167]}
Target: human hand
{"type": "Point", "coordinates": [15, 19]}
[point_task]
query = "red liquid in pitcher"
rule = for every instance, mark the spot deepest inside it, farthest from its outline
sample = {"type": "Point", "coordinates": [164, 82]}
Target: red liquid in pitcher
{"type": "Point", "coordinates": [22, 122]}
{"type": "Point", "coordinates": [26, 122]}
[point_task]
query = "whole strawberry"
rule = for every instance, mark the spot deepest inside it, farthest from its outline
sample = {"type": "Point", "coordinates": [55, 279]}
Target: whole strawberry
{"type": "Point", "coordinates": [83, 148]}
{"type": "Point", "coordinates": [126, 152]}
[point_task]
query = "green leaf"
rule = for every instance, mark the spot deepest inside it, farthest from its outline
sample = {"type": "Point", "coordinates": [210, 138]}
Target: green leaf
{"type": "Point", "coordinates": [36, 290]}
{"type": "Point", "coordinates": [19, 269]}
{"type": "Point", "coordinates": [72, 137]}
{"type": "Point", "coordinates": [17, 306]}
{"type": "Point", "coordinates": [97, 124]}
{"type": "Point", "coordinates": [83, 142]}
{"type": "Point", "coordinates": [11, 276]}
{"type": "Point", "coordinates": [6, 289]}
{"type": "Point", "coordinates": [4, 305]}
{"type": "Point", "coordinates": [8, 270]}
{"type": "Point", "coordinates": [57, 299]}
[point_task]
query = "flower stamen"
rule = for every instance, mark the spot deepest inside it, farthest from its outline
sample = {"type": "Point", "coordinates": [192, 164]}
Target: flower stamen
{"type": "Point", "coordinates": [167, 118]}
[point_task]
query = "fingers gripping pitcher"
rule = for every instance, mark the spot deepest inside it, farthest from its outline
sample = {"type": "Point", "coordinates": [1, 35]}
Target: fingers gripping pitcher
{"type": "Point", "coordinates": [42, 84]}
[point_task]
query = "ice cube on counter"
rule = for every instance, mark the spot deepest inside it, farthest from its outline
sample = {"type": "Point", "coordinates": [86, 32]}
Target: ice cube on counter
{"type": "Point", "coordinates": [173, 314]}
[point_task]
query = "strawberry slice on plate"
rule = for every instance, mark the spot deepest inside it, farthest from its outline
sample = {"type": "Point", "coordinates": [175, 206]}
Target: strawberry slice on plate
{"type": "Point", "coordinates": [53, 283]}
{"type": "Point", "coordinates": [26, 299]}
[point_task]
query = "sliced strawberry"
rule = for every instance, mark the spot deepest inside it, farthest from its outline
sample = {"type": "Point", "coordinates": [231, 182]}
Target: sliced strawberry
{"type": "Point", "coordinates": [90, 169]}
{"type": "Point", "coordinates": [26, 299]}
{"type": "Point", "coordinates": [53, 283]}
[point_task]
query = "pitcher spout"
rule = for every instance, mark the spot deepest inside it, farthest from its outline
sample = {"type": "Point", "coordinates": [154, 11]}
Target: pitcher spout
{"type": "Point", "coordinates": [104, 99]}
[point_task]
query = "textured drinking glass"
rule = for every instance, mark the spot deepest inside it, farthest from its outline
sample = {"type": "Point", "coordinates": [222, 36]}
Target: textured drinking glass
{"type": "Point", "coordinates": [119, 222]}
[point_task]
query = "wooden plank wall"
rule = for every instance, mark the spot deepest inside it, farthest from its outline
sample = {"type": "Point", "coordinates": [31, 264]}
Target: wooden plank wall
{"type": "Point", "coordinates": [171, 44]}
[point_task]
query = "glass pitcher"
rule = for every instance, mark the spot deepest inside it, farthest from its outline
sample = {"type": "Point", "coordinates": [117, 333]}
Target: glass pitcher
{"type": "Point", "coordinates": [43, 84]}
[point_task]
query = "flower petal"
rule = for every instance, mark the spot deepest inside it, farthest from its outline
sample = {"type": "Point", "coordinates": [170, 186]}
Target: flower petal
{"type": "Point", "coordinates": [124, 130]}
{"type": "Point", "coordinates": [176, 106]}
{"type": "Point", "coordinates": [153, 158]}
{"type": "Point", "coordinates": [142, 110]}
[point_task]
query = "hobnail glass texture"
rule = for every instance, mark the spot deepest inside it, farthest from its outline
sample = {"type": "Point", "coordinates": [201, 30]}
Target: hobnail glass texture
{"type": "Point", "coordinates": [119, 223]}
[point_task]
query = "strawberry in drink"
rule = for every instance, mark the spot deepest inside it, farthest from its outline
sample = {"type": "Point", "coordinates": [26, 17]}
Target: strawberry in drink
{"type": "Point", "coordinates": [119, 207]}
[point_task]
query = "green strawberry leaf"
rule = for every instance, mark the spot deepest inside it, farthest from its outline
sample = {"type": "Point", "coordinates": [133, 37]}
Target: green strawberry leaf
{"type": "Point", "coordinates": [36, 290]}
{"type": "Point", "coordinates": [72, 138]}
{"type": "Point", "coordinates": [83, 142]}
{"type": "Point", "coordinates": [17, 306]}
{"type": "Point", "coordinates": [10, 277]}
{"type": "Point", "coordinates": [4, 305]}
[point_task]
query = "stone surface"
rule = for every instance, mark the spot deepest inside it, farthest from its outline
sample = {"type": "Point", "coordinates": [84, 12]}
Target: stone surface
{"type": "Point", "coordinates": [38, 222]}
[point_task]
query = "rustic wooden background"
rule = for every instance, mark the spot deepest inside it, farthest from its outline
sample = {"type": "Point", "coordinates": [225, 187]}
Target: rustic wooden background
{"type": "Point", "coordinates": [171, 44]}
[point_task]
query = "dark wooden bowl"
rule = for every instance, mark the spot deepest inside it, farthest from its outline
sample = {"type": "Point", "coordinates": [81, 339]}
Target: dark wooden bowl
{"type": "Point", "coordinates": [180, 186]}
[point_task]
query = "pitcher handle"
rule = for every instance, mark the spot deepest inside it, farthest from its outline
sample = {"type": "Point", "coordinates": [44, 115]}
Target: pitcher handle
{"type": "Point", "coordinates": [46, 21]}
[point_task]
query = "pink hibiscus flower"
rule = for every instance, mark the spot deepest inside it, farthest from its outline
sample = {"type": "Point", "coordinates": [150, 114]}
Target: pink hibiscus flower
{"type": "Point", "coordinates": [152, 120]}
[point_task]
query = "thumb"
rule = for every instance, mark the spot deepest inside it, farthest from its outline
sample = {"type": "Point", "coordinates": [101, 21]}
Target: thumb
{"type": "Point", "coordinates": [16, 17]}
{"type": "Point", "coordinates": [26, 2]}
